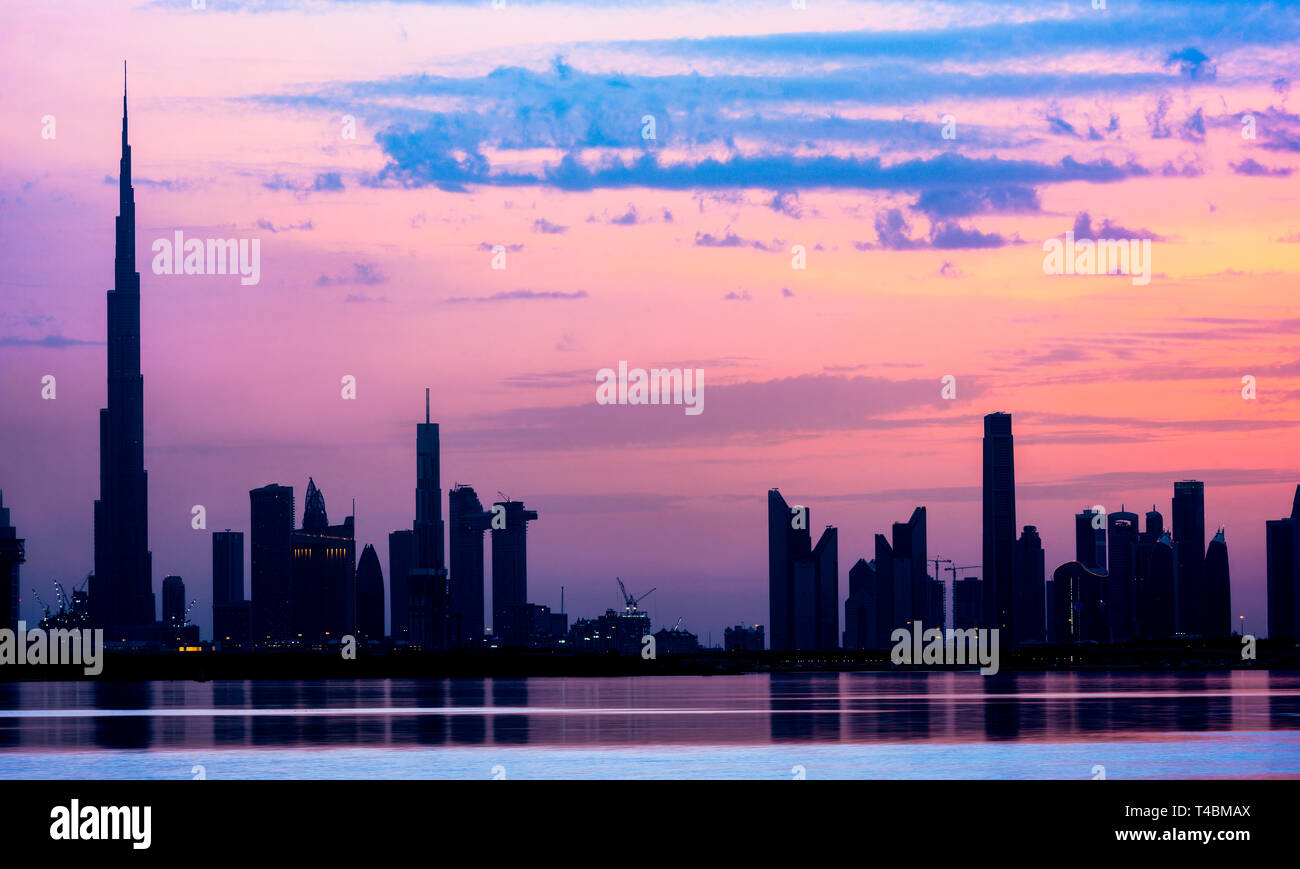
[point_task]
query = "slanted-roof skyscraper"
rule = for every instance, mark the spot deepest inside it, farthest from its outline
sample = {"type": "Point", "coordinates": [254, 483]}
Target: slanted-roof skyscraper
{"type": "Point", "coordinates": [784, 544]}
{"type": "Point", "coordinates": [999, 523]}
{"type": "Point", "coordinates": [121, 593]}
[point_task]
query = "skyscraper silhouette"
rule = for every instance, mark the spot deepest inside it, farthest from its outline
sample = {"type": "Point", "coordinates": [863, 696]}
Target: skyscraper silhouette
{"type": "Point", "coordinates": [370, 596]}
{"type": "Point", "coordinates": [816, 595]}
{"type": "Point", "coordinates": [788, 539]}
{"type": "Point", "coordinates": [401, 557]}
{"type": "Point", "coordinates": [173, 603]}
{"type": "Point", "coordinates": [12, 554]}
{"type": "Point", "coordinates": [322, 576]}
{"type": "Point", "coordinates": [1189, 552]}
{"type": "Point", "coordinates": [271, 526]}
{"type": "Point", "coordinates": [1121, 574]}
{"type": "Point", "coordinates": [1157, 609]}
{"type": "Point", "coordinates": [999, 523]}
{"type": "Point", "coordinates": [468, 521]}
{"type": "Point", "coordinates": [1216, 617]}
{"type": "Point", "coordinates": [1030, 603]}
{"type": "Point", "coordinates": [1282, 539]}
{"type": "Point", "coordinates": [232, 624]}
{"type": "Point", "coordinates": [911, 581]}
{"type": "Point", "coordinates": [510, 572]}
{"type": "Point", "coordinates": [1090, 539]}
{"type": "Point", "coordinates": [427, 579]}
{"type": "Point", "coordinates": [121, 591]}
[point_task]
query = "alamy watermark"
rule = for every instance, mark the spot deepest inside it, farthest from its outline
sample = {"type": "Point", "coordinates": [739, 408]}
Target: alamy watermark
{"type": "Point", "coordinates": [81, 647]}
{"type": "Point", "coordinates": [935, 646]}
{"type": "Point", "coordinates": [684, 386]}
{"type": "Point", "coordinates": [1102, 256]}
{"type": "Point", "coordinates": [213, 256]}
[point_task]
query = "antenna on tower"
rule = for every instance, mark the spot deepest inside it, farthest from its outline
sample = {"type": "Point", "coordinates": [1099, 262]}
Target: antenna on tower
{"type": "Point", "coordinates": [426, 405]}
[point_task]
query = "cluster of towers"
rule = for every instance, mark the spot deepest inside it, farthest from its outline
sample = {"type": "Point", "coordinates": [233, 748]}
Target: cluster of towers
{"type": "Point", "coordinates": [1124, 584]}
{"type": "Point", "coordinates": [309, 589]}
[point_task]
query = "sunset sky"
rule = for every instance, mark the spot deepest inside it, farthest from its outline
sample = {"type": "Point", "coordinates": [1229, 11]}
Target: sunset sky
{"type": "Point", "coordinates": [775, 126]}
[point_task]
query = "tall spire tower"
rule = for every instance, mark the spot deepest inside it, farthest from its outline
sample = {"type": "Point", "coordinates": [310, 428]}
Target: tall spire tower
{"type": "Point", "coordinates": [427, 579]}
{"type": "Point", "coordinates": [122, 598]}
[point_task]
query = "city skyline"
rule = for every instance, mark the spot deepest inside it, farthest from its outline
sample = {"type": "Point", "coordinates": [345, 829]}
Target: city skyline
{"type": "Point", "coordinates": [831, 393]}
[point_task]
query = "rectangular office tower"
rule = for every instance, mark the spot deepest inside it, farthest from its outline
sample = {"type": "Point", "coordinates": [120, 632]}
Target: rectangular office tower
{"type": "Point", "coordinates": [1189, 552]}
{"type": "Point", "coordinates": [1121, 574]}
{"type": "Point", "coordinates": [271, 526]}
{"type": "Point", "coordinates": [1030, 590]}
{"type": "Point", "coordinates": [121, 591]}
{"type": "Point", "coordinates": [12, 554]}
{"type": "Point", "coordinates": [510, 570]}
{"type": "Point", "coordinates": [1282, 538]}
{"type": "Point", "coordinates": [401, 558]}
{"type": "Point", "coordinates": [232, 625]}
{"type": "Point", "coordinates": [999, 521]}
{"type": "Point", "coordinates": [468, 521]}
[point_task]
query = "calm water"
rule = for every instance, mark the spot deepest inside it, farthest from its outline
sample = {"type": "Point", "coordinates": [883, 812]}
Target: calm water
{"type": "Point", "coordinates": [849, 725]}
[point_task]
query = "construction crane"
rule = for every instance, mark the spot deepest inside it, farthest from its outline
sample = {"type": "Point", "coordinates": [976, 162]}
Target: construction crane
{"type": "Point", "coordinates": [678, 625]}
{"type": "Point", "coordinates": [44, 606]}
{"type": "Point", "coordinates": [936, 562]}
{"type": "Point", "coordinates": [629, 602]}
{"type": "Point", "coordinates": [188, 609]}
{"type": "Point", "coordinates": [952, 571]}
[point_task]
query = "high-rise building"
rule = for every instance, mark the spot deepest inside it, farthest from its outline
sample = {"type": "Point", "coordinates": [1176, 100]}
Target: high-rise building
{"type": "Point", "coordinates": [1146, 544]}
{"type": "Point", "coordinates": [1029, 576]}
{"type": "Point", "coordinates": [322, 575]}
{"type": "Point", "coordinates": [173, 603]}
{"type": "Point", "coordinates": [999, 517]}
{"type": "Point", "coordinates": [270, 567]}
{"type": "Point", "coordinates": [12, 554]}
{"type": "Point", "coordinates": [743, 638]}
{"type": "Point", "coordinates": [859, 607]}
{"type": "Point", "coordinates": [231, 614]}
{"type": "Point", "coordinates": [911, 580]}
{"type": "Point", "coordinates": [1157, 608]}
{"type": "Point", "coordinates": [1282, 540]}
{"type": "Point", "coordinates": [891, 615]}
{"type": "Point", "coordinates": [826, 566]}
{"type": "Point", "coordinates": [370, 596]}
{"type": "Point", "coordinates": [1090, 539]}
{"type": "Point", "coordinates": [1078, 609]}
{"type": "Point", "coordinates": [427, 578]}
{"type": "Point", "coordinates": [121, 592]}
{"type": "Point", "coordinates": [401, 558]}
{"type": "Point", "coordinates": [1189, 550]}
{"type": "Point", "coordinates": [1121, 575]}
{"type": "Point", "coordinates": [227, 566]}
{"type": "Point", "coordinates": [967, 602]}
{"type": "Point", "coordinates": [1216, 615]}
{"type": "Point", "coordinates": [788, 539]}
{"type": "Point", "coordinates": [468, 521]}
{"type": "Point", "coordinates": [510, 569]}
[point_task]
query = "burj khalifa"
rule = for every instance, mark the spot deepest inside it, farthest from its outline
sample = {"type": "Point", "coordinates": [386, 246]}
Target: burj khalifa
{"type": "Point", "coordinates": [121, 591]}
